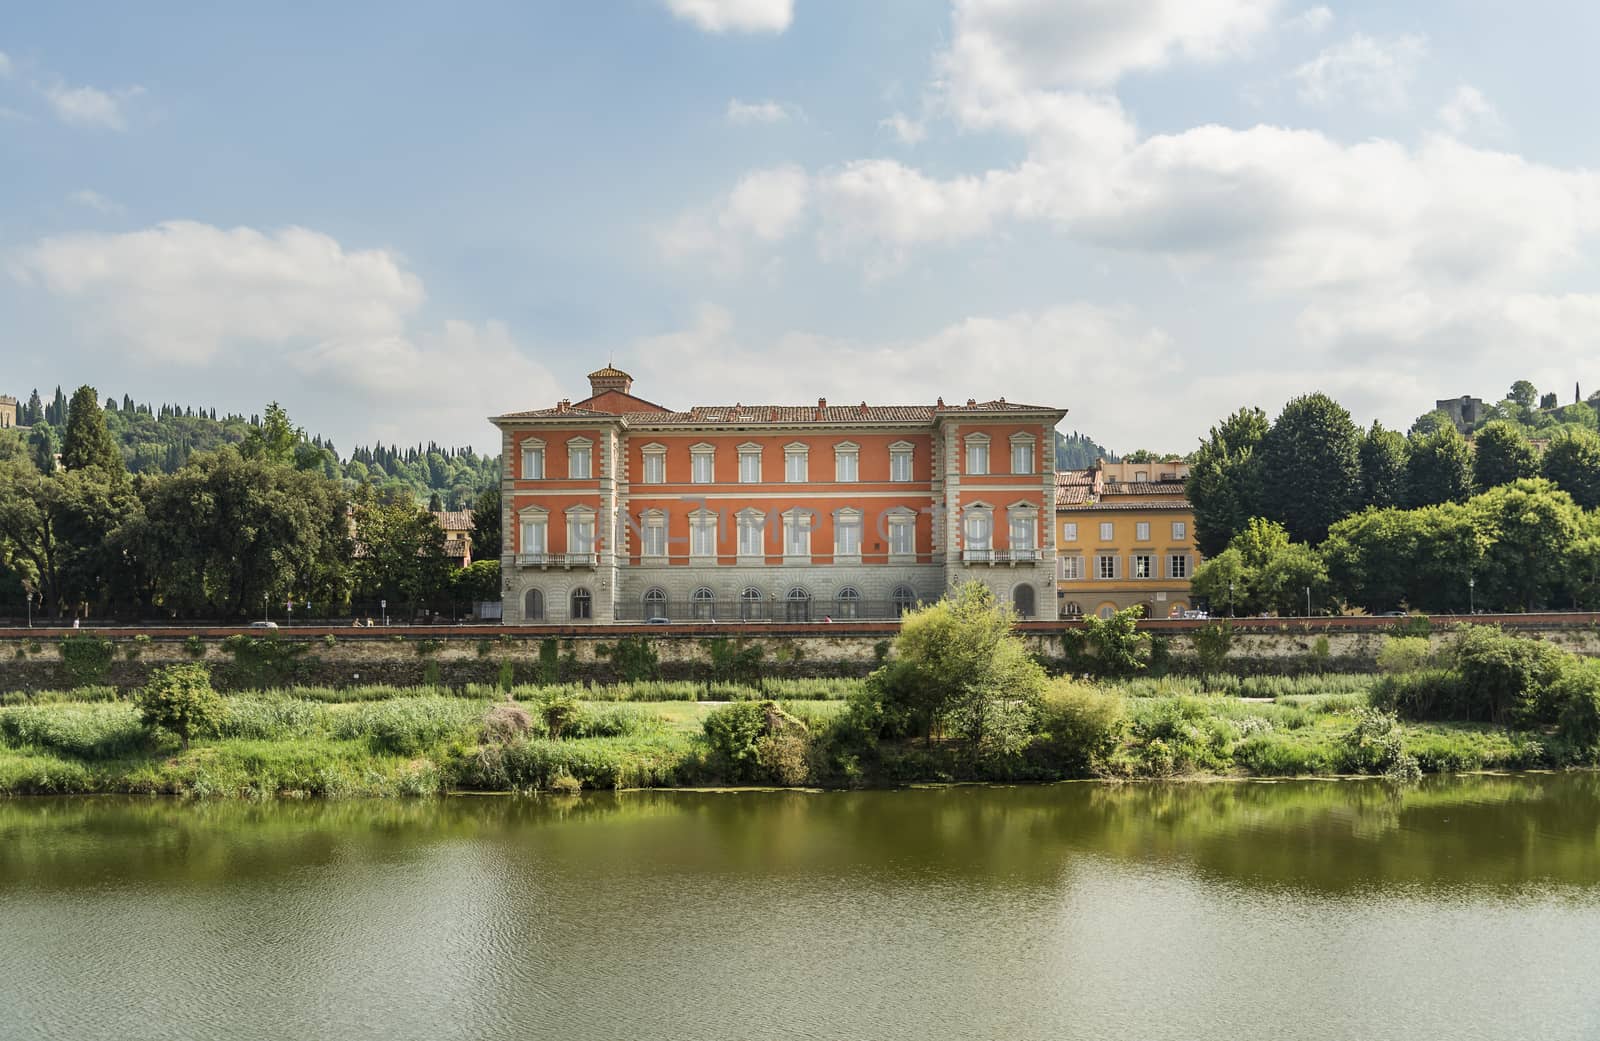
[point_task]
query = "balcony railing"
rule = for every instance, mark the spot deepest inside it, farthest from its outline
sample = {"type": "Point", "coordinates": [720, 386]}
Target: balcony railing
{"type": "Point", "coordinates": [765, 610]}
{"type": "Point", "coordinates": [561, 560]}
{"type": "Point", "coordinates": [1001, 556]}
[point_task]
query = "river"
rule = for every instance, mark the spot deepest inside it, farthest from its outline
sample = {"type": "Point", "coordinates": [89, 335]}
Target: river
{"type": "Point", "coordinates": [1462, 908]}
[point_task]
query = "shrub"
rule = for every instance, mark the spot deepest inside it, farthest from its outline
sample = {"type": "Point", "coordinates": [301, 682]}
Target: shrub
{"type": "Point", "coordinates": [1278, 754]}
{"type": "Point", "coordinates": [557, 708]}
{"type": "Point", "coordinates": [1404, 654]}
{"type": "Point", "coordinates": [136, 647]}
{"type": "Point", "coordinates": [180, 700]}
{"type": "Point", "coordinates": [632, 657]}
{"type": "Point", "coordinates": [756, 742]}
{"type": "Point", "coordinates": [405, 726]}
{"type": "Point", "coordinates": [1116, 642]}
{"type": "Point", "coordinates": [194, 647]}
{"type": "Point", "coordinates": [1082, 727]}
{"type": "Point", "coordinates": [1376, 745]}
{"type": "Point", "coordinates": [1505, 678]}
{"type": "Point", "coordinates": [85, 731]}
{"type": "Point", "coordinates": [85, 659]}
{"type": "Point", "coordinates": [1426, 694]}
{"type": "Point", "coordinates": [270, 718]}
{"type": "Point", "coordinates": [506, 722]}
{"type": "Point", "coordinates": [1577, 693]}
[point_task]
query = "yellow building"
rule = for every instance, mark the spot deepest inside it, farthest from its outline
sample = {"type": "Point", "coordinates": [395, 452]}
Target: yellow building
{"type": "Point", "coordinates": [457, 525]}
{"type": "Point", "coordinates": [1124, 538]}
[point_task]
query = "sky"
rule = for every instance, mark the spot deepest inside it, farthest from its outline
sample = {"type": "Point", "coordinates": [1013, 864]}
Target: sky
{"type": "Point", "coordinates": [400, 218]}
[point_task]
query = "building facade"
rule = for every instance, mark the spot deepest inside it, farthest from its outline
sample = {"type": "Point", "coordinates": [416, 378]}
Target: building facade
{"type": "Point", "coordinates": [619, 509]}
{"type": "Point", "coordinates": [1124, 538]}
{"type": "Point", "coordinates": [457, 527]}
{"type": "Point", "coordinates": [8, 411]}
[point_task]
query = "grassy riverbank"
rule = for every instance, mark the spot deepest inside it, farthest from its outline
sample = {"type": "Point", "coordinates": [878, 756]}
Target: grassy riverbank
{"type": "Point", "coordinates": [410, 741]}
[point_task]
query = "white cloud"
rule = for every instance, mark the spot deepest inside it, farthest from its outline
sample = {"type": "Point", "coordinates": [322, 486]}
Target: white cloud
{"type": "Point", "coordinates": [746, 16]}
{"type": "Point", "coordinates": [90, 106]}
{"type": "Point", "coordinates": [93, 200]}
{"type": "Point", "coordinates": [186, 293]}
{"type": "Point", "coordinates": [1468, 110]}
{"type": "Point", "coordinates": [1373, 72]}
{"type": "Point", "coordinates": [1312, 21]}
{"type": "Point", "coordinates": [908, 131]}
{"type": "Point", "coordinates": [745, 113]}
{"type": "Point", "coordinates": [766, 206]}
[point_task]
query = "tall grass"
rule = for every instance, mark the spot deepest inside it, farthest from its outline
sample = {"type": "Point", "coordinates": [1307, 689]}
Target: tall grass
{"type": "Point", "coordinates": [1274, 687]}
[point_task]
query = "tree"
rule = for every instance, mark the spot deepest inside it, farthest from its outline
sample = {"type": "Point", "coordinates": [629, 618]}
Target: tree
{"type": "Point", "coordinates": [180, 700]}
{"type": "Point", "coordinates": [42, 447]}
{"type": "Point", "coordinates": [1224, 484]}
{"type": "Point", "coordinates": [1212, 642]}
{"type": "Point", "coordinates": [1223, 582]}
{"type": "Point", "coordinates": [1250, 575]}
{"type": "Point", "coordinates": [1523, 393]}
{"type": "Point", "coordinates": [87, 442]}
{"type": "Point", "coordinates": [486, 523]}
{"type": "Point", "coordinates": [1311, 466]}
{"type": "Point", "coordinates": [1572, 462]}
{"type": "Point", "coordinates": [1383, 467]}
{"type": "Point", "coordinates": [1117, 642]}
{"type": "Point", "coordinates": [1500, 455]}
{"type": "Point", "coordinates": [1431, 422]}
{"type": "Point", "coordinates": [1548, 401]}
{"type": "Point", "coordinates": [1528, 529]}
{"type": "Point", "coordinates": [402, 553]}
{"type": "Point", "coordinates": [971, 670]}
{"type": "Point", "coordinates": [478, 581]}
{"type": "Point", "coordinates": [1438, 468]}
{"type": "Point", "coordinates": [1283, 581]}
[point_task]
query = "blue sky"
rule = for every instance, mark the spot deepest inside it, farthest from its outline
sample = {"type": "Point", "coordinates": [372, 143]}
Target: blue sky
{"type": "Point", "coordinates": [397, 218]}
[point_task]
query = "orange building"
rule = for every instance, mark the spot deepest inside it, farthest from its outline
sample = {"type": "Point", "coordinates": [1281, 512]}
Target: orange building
{"type": "Point", "coordinates": [1125, 538]}
{"type": "Point", "coordinates": [617, 508]}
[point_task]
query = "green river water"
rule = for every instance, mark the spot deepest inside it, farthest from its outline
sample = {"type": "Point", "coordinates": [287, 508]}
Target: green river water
{"type": "Point", "coordinates": [1463, 908]}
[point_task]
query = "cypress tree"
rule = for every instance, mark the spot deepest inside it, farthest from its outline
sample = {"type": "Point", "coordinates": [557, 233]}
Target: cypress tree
{"type": "Point", "coordinates": [87, 441]}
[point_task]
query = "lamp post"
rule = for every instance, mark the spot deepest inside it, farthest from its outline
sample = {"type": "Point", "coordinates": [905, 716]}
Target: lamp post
{"type": "Point", "coordinates": [1230, 598]}
{"type": "Point", "coordinates": [1472, 600]}
{"type": "Point", "coordinates": [383, 605]}
{"type": "Point", "coordinates": [1308, 601]}
{"type": "Point", "coordinates": [265, 601]}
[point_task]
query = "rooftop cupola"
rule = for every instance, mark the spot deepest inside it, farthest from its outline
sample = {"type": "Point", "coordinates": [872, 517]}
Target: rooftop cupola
{"type": "Point", "coordinates": [609, 378]}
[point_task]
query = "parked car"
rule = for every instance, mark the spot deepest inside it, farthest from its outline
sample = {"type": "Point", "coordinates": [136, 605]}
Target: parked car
{"type": "Point", "coordinates": [658, 620]}
{"type": "Point", "coordinates": [263, 625]}
{"type": "Point", "coordinates": [1197, 614]}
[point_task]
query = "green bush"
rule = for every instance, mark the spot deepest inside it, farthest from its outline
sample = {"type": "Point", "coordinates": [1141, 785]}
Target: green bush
{"type": "Point", "coordinates": [85, 731]}
{"type": "Point", "coordinates": [85, 659]}
{"type": "Point", "coordinates": [1081, 727]}
{"type": "Point", "coordinates": [1284, 754]}
{"type": "Point", "coordinates": [180, 700]}
{"type": "Point", "coordinates": [1401, 654]}
{"type": "Point", "coordinates": [194, 647]}
{"type": "Point", "coordinates": [270, 718]}
{"type": "Point", "coordinates": [405, 726]}
{"type": "Point", "coordinates": [1377, 745]}
{"type": "Point", "coordinates": [751, 742]}
{"type": "Point", "coordinates": [540, 764]}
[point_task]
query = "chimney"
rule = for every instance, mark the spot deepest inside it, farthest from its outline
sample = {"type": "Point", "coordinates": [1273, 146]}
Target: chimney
{"type": "Point", "coordinates": [972, 402]}
{"type": "Point", "coordinates": [940, 402]}
{"type": "Point", "coordinates": [564, 404]}
{"type": "Point", "coordinates": [822, 402]}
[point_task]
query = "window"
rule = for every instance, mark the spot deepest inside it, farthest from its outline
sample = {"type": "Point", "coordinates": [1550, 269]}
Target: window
{"type": "Point", "coordinates": [1072, 609]}
{"type": "Point", "coordinates": [978, 530]}
{"type": "Point", "coordinates": [582, 605]}
{"type": "Point", "coordinates": [702, 464]}
{"type": "Point", "coordinates": [1105, 566]}
{"type": "Point", "coordinates": [797, 606]}
{"type": "Point", "coordinates": [655, 603]}
{"type": "Point", "coordinates": [533, 461]}
{"type": "Point", "coordinates": [580, 533]}
{"type": "Point", "coordinates": [1022, 456]}
{"type": "Point", "coordinates": [655, 466]}
{"type": "Point", "coordinates": [1141, 531]}
{"type": "Point", "coordinates": [1180, 531]}
{"type": "Point", "coordinates": [1021, 530]}
{"type": "Point", "coordinates": [704, 604]}
{"type": "Point", "coordinates": [797, 534]}
{"type": "Point", "coordinates": [1071, 569]}
{"type": "Point", "coordinates": [580, 459]}
{"type": "Point", "coordinates": [1143, 565]}
{"type": "Point", "coordinates": [533, 606]}
{"type": "Point", "coordinates": [703, 535]}
{"type": "Point", "coordinates": [902, 536]}
{"type": "Point", "coordinates": [904, 599]}
{"type": "Point", "coordinates": [1106, 611]}
{"type": "Point", "coordinates": [900, 461]}
{"type": "Point", "coordinates": [1141, 475]}
{"type": "Point", "coordinates": [796, 464]}
{"type": "Point", "coordinates": [978, 454]}
{"type": "Point", "coordinates": [535, 534]}
{"type": "Point", "coordinates": [847, 534]}
{"type": "Point", "coordinates": [847, 604]}
{"type": "Point", "coordinates": [752, 604]}
{"type": "Point", "coordinates": [1178, 565]}
{"type": "Point", "coordinates": [1024, 602]}
{"type": "Point", "coordinates": [1069, 532]}
{"type": "Point", "coordinates": [846, 463]}
{"type": "Point", "coordinates": [749, 464]}
{"type": "Point", "coordinates": [752, 534]}
{"type": "Point", "coordinates": [1106, 534]}
{"type": "Point", "coordinates": [653, 535]}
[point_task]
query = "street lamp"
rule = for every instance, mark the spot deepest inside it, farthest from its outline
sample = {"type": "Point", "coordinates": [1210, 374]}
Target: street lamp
{"type": "Point", "coordinates": [383, 605]}
{"type": "Point", "coordinates": [1308, 601]}
{"type": "Point", "coordinates": [1472, 600]}
{"type": "Point", "coordinates": [265, 600]}
{"type": "Point", "coordinates": [1230, 598]}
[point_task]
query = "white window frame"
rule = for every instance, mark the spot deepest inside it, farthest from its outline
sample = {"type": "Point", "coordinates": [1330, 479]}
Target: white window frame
{"type": "Point", "coordinates": [1071, 569]}
{"type": "Point", "coordinates": [902, 536]}
{"type": "Point", "coordinates": [1176, 563]}
{"type": "Point", "coordinates": [977, 454]}
{"type": "Point", "coordinates": [1145, 562]}
{"type": "Point", "coordinates": [1141, 531]}
{"type": "Point", "coordinates": [796, 463]}
{"type": "Point", "coordinates": [533, 535]}
{"type": "Point", "coordinates": [1023, 519]}
{"type": "Point", "coordinates": [748, 452]}
{"type": "Point", "coordinates": [847, 520]}
{"type": "Point", "coordinates": [1180, 531]}
{"type": "Point", "coordinates": [1069, 531]}
{"type": "Point", "coordinates": [751, 523]}
{"type": "Point", "coordinates": [653, 535]}
{"type": "Point", "coordinates": [581, 520]}
{"type": "Point", "coordinates": [1022, 443]}
{"type": "Point", "coordinates": [797, 536]}
{"type": "Point", "coordinates": [702, 464]}
{"type": "Point", "coordinates": [1108, 532]}
{"type": "Point", "coordinates": [532, 453]}
{"type": "Point", "coordinates": [580, 449]}
{"type": "Point", "coordinates": [902, 454]}
{"type": "Point", "coordinates": [846, 462]}
{"type": "Point", "coordinates": [703, 536]}
{"type": "Point", "coordinates": [653, 464]}
{"type": "Point", "coordinates": [1101, 560]}
{"type": "Point", "coordinates": [977, 529]}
